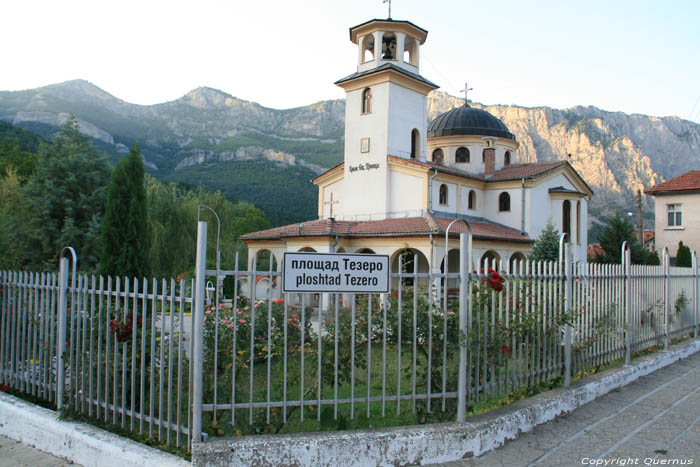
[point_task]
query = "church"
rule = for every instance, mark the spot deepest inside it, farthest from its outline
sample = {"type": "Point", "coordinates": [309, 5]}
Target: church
{"type": "Point", "coordinates": [403, 181]}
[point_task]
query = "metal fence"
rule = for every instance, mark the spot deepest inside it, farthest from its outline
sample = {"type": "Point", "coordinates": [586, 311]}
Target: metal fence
{"type": "Point", "coordinates": [436, 347]}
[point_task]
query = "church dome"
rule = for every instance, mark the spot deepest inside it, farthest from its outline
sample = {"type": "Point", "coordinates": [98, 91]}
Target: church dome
{"type": "Point", "coordinates": [467, 120]}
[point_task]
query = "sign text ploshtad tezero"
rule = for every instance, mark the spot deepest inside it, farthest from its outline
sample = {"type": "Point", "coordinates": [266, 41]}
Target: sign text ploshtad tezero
{"type": "Point", "coordinates": [322, 272]}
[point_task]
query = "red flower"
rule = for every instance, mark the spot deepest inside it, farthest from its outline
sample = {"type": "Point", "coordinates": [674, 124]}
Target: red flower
{"type": "Point", "coordinates": [279, 300]}
{"type": "Point", "coordinates": [506, 349]}
{"type": "Point", "coordinates": [4, 387]}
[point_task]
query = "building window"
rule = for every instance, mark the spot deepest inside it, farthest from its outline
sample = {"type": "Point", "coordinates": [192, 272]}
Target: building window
{"type": "Point", "coordinates": [366, 101]}
{"type": "Point", "coordinates": [506, 158]}
{"type": "Point", "coordinates": [462, 155]}
{"type": "Point", "coordinates": [471, 200]}
{"type": "Point", "coordinates": [504, 202]}
{"type": "Point", "coordinates": [438, 156]}
{"type": "Point", "coordinates": [443, 194]}
{"type": "Point", "coordinates": [415, 143]}
{"type": "Point", "coordinates": [483, 156]}
{"type": "Point", "coordinates": [566, 219]}
{"type": "Point", "coordinates": [675, 215]}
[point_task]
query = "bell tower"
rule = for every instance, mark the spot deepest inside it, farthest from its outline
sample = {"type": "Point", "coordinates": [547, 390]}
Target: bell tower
{"type": "Point", "coordinates": [385, 112]}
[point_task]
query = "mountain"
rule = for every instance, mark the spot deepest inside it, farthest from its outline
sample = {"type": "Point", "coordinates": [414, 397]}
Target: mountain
{"type": "Point", "coordinates": [267, 156]}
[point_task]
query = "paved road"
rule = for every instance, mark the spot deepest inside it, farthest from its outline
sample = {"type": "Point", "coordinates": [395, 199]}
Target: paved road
{"type": "Point", "coordinates": [653, 421]}
{"type": "Point", "coordinates": [13, 453]}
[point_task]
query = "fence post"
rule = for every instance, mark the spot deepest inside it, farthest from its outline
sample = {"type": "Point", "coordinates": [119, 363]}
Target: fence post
{"type": "Point", "coordinates": [696, 295]}
{"type": "Point", "coordinates": [565, 258]}
{"type": "Point", "coordinates": [627, 261]}
{"type": "Point", "coordinates": [61, 322]}
{"type": "Point", "coordinates": [465, 306]}
{"type": "Point", "coordinates": [667, 298]}
{"type": "Point", "coordinates": [198, 342]}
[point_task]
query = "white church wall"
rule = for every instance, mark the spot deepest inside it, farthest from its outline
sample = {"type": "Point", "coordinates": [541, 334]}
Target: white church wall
{"type": "Point", "coordinates": [405, 192]}
{"type": "Point", "coordinates": [365, 185]}
{"type": "Point", "coordinates": [407, 110]}
{"type": "Point", "coordinates": [451, 205]}
{"type": "Point", "coordinates": [335, 188]}
{"type": "Point", "coordinates": [511, 218]}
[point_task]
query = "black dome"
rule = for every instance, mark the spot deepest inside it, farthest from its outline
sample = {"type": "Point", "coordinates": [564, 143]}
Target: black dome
{"type": "Point", "coordinates": [467, 120]}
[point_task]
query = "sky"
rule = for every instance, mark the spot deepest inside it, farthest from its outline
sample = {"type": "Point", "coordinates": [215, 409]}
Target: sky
{"type": "Point", "coordinates": [638, 56]}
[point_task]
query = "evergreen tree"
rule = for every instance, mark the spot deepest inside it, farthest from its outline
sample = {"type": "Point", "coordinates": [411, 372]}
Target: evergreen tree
{"type": "Point", "coordinates": [615, 232]}
{"type": "Point", "coordinates": [546, 246]}
{"type": "Point", "coordinates": [684, 258]}
{"type": "Point", "coordinates": [125, 236]}
{"type": "Point", "coordinates": [64, 200]}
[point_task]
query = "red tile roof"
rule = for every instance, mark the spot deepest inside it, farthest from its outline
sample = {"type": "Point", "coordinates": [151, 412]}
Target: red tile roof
{"type": "Point", "coordinates": [387, 228]}
{"type": "Point", "coordinates": [687, 182]}
{"type": "Point", "coordinates": [649, 235]}
{"type": "Point", "coordinates": [516, 172]}
{"type": "Point", "coordinates": [595, 250]}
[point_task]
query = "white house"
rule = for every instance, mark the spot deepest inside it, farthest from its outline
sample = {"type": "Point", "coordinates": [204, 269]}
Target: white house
{"type": "Point", "coordinates": [402, 181]}
{"type": "Point", "coordinates": [677, 209]}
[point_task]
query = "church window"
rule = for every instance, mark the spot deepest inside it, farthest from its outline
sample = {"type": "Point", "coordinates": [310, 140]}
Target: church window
{"type": "Point", "coordinates": [415, 143]}
{"type": "Point", "coordinates": [566, 219]}
{"type": "Point", "coordinates": [462, 155]}
{"type": "Point", "coordinates": [438, 156]}
{"type": "Point", "coordinates": [471, 200]}
{"type": "Point", "coordinates": [506, 158]}
{"type": "Point", "coordinates": [366, 101]}
{"type": "Point", "coordinates": [389, 46]}
{"type": "Point", "coordinates": [443, 194]}
{"type": "Point", "coordinates": [504, 202]}
{"type": "Point", "coordinates": [368, 49]}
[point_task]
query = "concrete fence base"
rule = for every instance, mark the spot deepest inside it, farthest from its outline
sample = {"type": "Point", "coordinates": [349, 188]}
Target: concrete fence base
{"type": "Point", "coordinates": [427, 443]}
{"type": "Point", "coordinates": [74, 441]}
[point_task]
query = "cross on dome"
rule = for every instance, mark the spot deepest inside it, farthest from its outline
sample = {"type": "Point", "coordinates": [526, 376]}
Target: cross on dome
{"type": "Point", "coordinates": [465, 91]}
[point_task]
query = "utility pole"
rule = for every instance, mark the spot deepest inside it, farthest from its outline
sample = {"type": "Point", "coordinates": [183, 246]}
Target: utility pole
{"type": "Point", "coordinates": [640, 221]}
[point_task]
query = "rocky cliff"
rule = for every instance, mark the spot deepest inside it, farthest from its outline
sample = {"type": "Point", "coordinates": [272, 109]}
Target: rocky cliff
{"type": "Point", "coordinates": [616, 153]}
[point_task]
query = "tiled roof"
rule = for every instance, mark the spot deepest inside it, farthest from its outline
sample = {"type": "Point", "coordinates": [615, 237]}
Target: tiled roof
{"type": "Point", "coordinates": [387, 66]}
{"type": "Point", "coordinates": [649, 235]}
{"type": "Point", "coordinates": [687, 182]}
{"type": "Point", "coordinates": [423, 225]}
{"type": "Point", "coordinates": [515, 172]}
{"type": "Point", "coordinates": [595, 250]}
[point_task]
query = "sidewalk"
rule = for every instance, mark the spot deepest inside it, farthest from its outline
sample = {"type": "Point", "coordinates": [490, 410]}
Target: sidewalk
{"type": "Point", "coordinates": [14, 453]}
{"type": "Point", "coordinates": [652, 421]}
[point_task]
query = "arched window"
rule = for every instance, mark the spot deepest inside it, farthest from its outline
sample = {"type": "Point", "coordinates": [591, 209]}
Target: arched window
{"type": "Point", "coordinates": [462, 155]}
{"type": "Point", "coordinates": [415, 143]}
{"type": "Point", "coordinates": [438, 156]}
{"type": "Point", "coordinates": [409, 51]}
{"type": "Point", "coordinates": [504, 202]}
{"type": "Point", "coordinates": [517, 262]}
{"type": "Point", "coordinates": [366, 101]}
{"type": "Point", "coordinates": [471, 203]}
{"type": "Point", "coordinates": [443, 194]}
{"type": "Point", "coordinates": [506, 158]}
{"type": "Point", "coordinates": [566, 219]}
{"type": "Point", "coordinates": [388, 46]}
{"type": "Point", "coordinates": [490, 260]}
{"type": "Point", "coordinates": [368, 49]}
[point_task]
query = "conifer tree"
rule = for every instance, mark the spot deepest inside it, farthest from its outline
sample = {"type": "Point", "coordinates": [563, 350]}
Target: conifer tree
{"type": "Point", "coordinates": [546, 246]}
{"type": "Point", "coordinates": [683, 257]}
{"type": "Point", "coordinates": [125, 236]}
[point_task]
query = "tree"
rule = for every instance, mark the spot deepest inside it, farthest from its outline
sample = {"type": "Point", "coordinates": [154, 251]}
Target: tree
{"type": "Point", "coordinates": [64, 200]}
{"type": "Point", "coordinates": [683, 257]}
{"type": "Point", "coordinates": [616, 231]}
{"type": "Point", "coordinates": [546, 246]}
{"type": "Point", "coordinates": [125, 236]}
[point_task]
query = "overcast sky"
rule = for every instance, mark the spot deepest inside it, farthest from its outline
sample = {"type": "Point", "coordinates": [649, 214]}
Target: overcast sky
{"type": "Point", "coordinates": [631, 56]}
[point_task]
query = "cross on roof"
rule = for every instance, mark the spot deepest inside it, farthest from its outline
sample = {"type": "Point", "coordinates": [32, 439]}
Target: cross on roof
{"type": "Point", "coordinates": [465, 91]}
{"type": "Point", "coordinates": [331, 202]}
{"type": "Point", "coordinates": [389, 2]}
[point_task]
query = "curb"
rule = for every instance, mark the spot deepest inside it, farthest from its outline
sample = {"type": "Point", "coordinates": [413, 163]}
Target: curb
{"type": "Point", "coordinates": [424, 444]}
{"type": "Point", "coordinates": [75, 441]}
